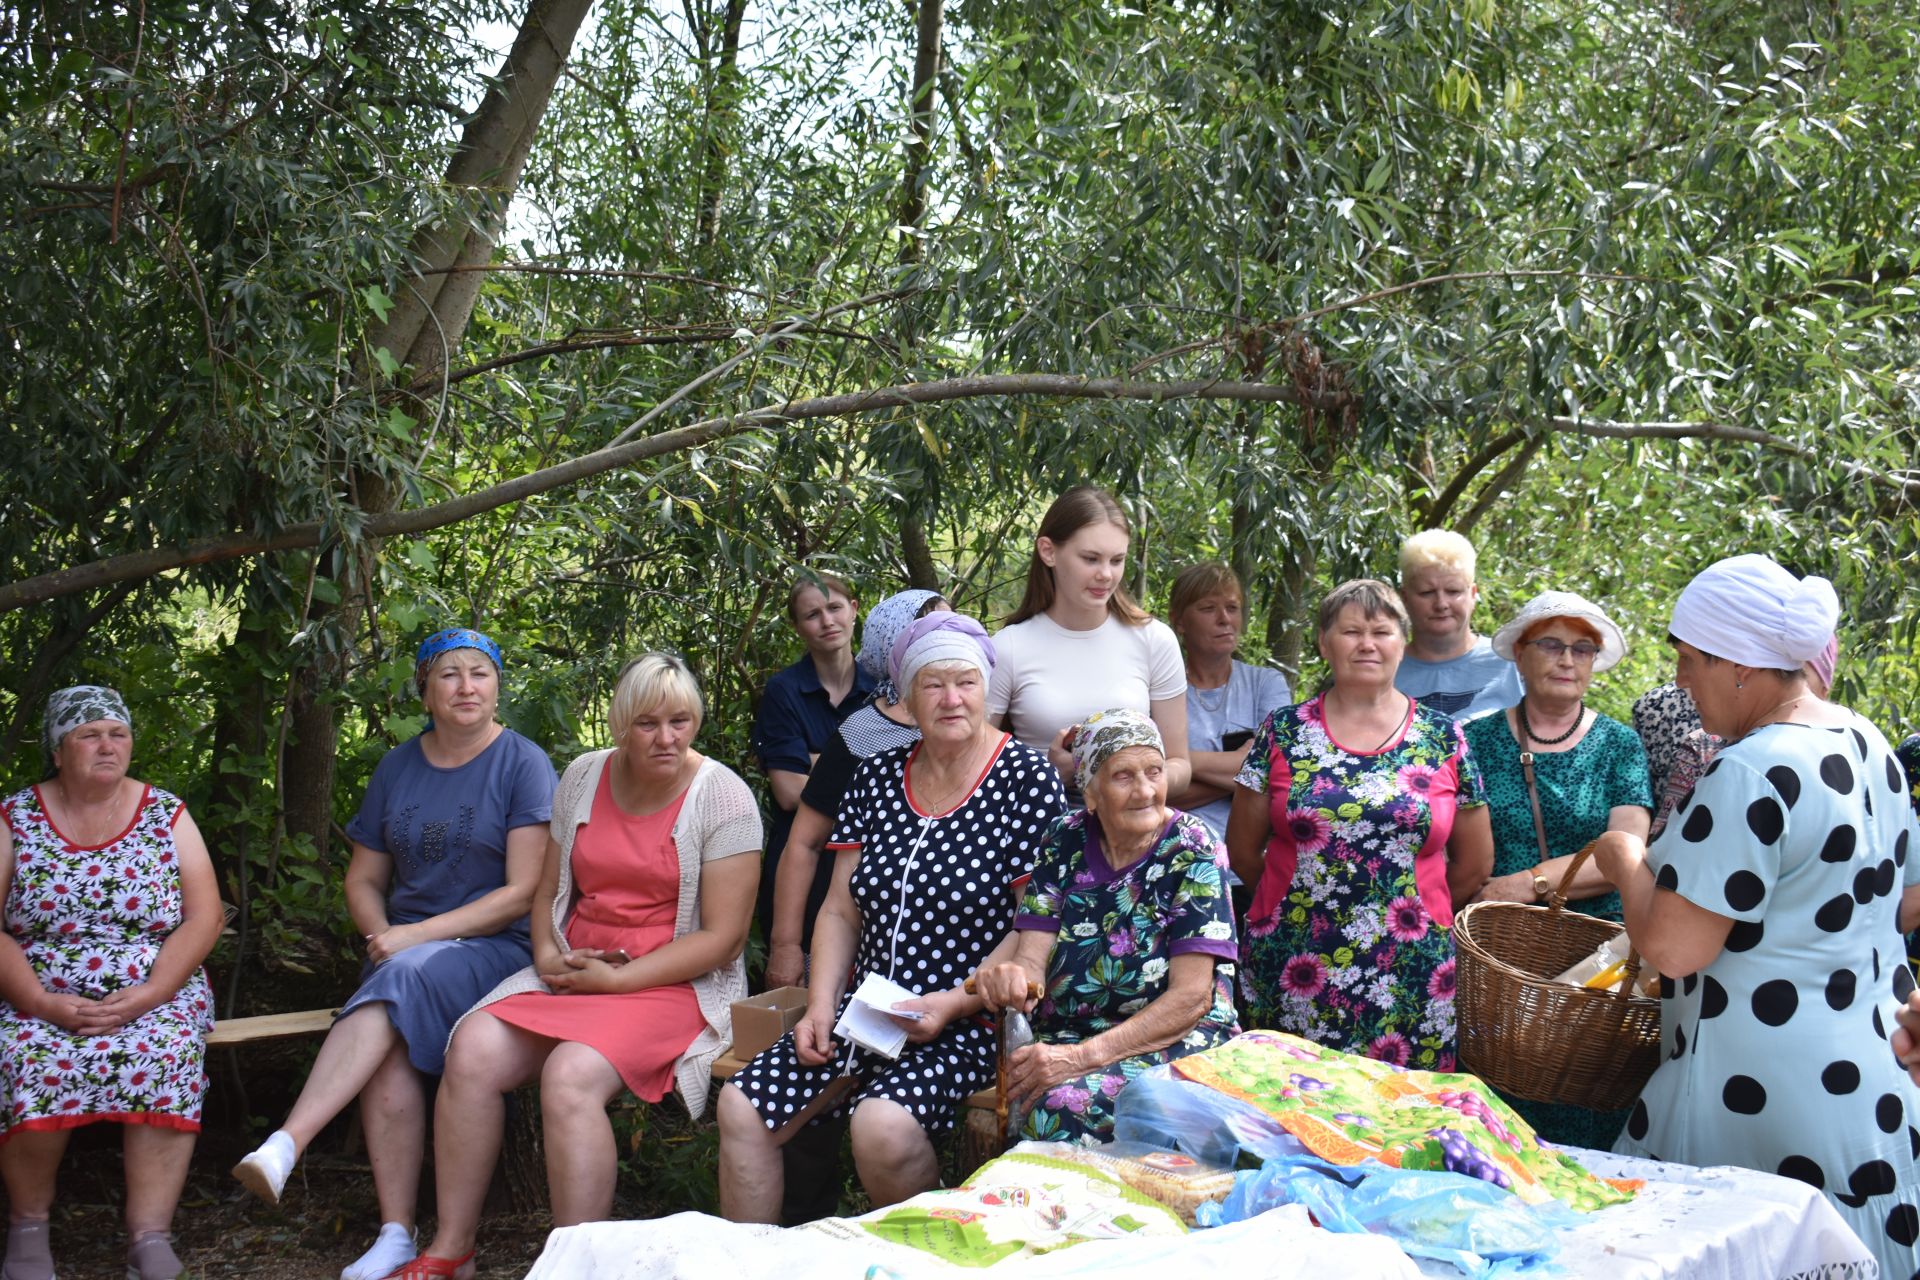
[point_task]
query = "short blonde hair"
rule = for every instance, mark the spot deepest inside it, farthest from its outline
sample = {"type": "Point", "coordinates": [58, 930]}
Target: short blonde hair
{"type": "Point", "coordinates": [654, 679]}
{"type": "Point", "coordinates": [1373, 598]}
{"type": "Point", "coordinates": [1437, 549]}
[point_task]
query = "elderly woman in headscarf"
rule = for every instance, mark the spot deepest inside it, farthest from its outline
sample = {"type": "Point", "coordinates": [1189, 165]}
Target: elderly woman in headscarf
{"type": "Point", "coordinates": [799, 888]}
{"type": "Point", "coordinates": [930, 844]}
{"type": "Point", "coordinates": [110, 908]}
{"type": "Point", "coordinates": [1127, 932]}
{"type": "Point", "coordinates": [1769, 905]}
{"type": "Point", "coordinates": [447, 850]}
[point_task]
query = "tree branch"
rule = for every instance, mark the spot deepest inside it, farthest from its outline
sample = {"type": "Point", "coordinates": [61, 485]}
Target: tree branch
{"type": "Point", "coordinates": [142, 564]}
{"type": "Point", "coordinates": [1361, 300]}
{"type": "Point", "coordinates": [1438, 509]}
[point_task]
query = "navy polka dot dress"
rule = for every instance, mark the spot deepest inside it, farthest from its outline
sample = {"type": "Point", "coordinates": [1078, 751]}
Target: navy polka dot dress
{"type": "Point", "coordinates": [1776, 1052]}
{"type": "Point", "coordinates": [935, 892]}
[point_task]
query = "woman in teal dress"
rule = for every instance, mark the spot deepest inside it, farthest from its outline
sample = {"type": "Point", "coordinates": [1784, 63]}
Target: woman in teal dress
{"type": "Point", "coordinates": [1126, 928]}
{"type": "Point", "coordinates": [1590, 770]}
{"type": "Point", "coordinates": [1591, 773]}
{"type": "Point", "coordinates": [1360, 821]}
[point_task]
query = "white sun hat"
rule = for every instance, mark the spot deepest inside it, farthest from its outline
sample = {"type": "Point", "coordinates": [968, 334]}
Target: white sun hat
{"type": "Point", "coordinates": [1563, 604]}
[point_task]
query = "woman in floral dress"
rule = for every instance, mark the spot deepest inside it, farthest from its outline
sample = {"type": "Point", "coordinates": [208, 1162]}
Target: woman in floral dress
{"type": "Point", "coordinates": [1361, 822]}
{"type": "Point", "coordinates": [1127, 931]}
{"type": "Point", "coordinates": [111, 906]}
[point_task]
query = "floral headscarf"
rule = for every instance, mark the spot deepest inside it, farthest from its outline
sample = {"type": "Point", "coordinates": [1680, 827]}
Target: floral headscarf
{"type": "Point", "coordinates": [885, 621]}
{"type": "Point", "coordinates": [1105, 733]}
{"type": "Point", "coordinates": [68, 709]}
{"type": "Point", "coordinates": [445, 641]}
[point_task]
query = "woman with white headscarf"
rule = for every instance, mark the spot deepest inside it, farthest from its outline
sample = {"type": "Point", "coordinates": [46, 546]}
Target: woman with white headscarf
{"type": "Point", "coordinates": [1769, 905]}
{"type": "Point", "coordinates": [883, 724]}
{"type": "Point", "coordinates": [932, 842]}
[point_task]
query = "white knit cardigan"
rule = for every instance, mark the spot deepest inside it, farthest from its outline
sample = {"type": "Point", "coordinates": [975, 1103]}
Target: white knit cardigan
{"type": "Point", "coordinates": [719, 819]}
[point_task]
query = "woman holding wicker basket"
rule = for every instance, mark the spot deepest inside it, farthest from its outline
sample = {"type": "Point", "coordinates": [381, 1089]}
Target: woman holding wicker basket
{"type": "Point", "coordinates": [1770, 904]}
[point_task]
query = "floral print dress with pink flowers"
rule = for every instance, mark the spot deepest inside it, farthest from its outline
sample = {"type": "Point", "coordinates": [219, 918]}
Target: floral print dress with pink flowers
{"type": "Point", "coordinates": [1349, 939]}
{"type": "Point", "coordinates": [92, 921]}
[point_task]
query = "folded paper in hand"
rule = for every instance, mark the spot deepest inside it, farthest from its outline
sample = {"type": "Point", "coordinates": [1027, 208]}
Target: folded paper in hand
{"type": "Point", "coordinates": [866, 1020]}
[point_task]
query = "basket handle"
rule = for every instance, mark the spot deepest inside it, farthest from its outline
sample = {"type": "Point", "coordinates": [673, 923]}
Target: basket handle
{"type": "Point", "coordinates": [1557, 901]}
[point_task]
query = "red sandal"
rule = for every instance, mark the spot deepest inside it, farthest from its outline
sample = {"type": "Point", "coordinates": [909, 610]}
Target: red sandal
{"type": "Point", "coordinates": [428, 1267]}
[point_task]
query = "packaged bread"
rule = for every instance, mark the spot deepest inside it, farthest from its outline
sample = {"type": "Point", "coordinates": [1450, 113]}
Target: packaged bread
{"type": "Point", "coordinates": [1171, 1178]}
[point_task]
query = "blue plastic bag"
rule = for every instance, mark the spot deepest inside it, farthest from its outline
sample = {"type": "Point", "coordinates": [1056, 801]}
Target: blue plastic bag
{"type": "Point", "coordinates": [1473, 1225]}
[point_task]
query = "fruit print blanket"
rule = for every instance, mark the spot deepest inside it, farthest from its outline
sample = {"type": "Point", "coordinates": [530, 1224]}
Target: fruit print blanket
{"type": "Point", "coordinates": [1345, 1109]}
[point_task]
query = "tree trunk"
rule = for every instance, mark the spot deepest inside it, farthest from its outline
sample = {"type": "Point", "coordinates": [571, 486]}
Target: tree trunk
{"type": "Point", "coordinates": [430, 316]}
{"type": "Point", "coordinates": [916, 508]}
{"type": "Point", "coordinates": [922, 572]}
{"type": "Point", "coordinates": [1290, 609]}
{"type": "Point", "coordinates": [723, 94]}
{"type": "Point", "coordinates": [423, 330]}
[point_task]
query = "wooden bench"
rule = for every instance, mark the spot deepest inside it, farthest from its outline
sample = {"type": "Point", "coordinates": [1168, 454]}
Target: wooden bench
{"type": "Point", "coordinates": [230, 1033]}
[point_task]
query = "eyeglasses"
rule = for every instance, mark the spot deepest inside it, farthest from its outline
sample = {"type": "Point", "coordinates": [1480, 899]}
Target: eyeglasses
{"type": "Point", "coordinates": [1582, 651]}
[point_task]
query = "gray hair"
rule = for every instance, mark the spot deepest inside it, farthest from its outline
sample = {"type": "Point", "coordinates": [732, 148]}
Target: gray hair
{"type": "Point", "coordinates": [1374, 599]}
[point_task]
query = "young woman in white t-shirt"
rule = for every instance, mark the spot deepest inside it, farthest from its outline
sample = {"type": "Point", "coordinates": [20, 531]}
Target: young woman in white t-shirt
{"type": "Point", "coordinates": [1078, 644]}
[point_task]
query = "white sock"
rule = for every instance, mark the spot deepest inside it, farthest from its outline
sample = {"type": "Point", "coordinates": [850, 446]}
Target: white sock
{"type": "Point", "coordinates": [392, 1248]}
{"type": "Point", "coordinates": [269, 1164]}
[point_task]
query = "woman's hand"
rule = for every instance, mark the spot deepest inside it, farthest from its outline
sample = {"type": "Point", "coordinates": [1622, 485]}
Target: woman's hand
{"type": "Point", "coordinates": [1517, 887]}
{"type": "Point", "coordinates": [786, 965]}
{"type": "Point", "coordinates": [1036, 1068]}
{"type": "Point", "coordinates": [112, 1012]}
{"type": "Point", "coordinates": [390, 942]}
{"type": "Point", "coordinates": [1004, 986]}
{"type": "Point", "coordinates": [1060, 755]}
{"type": "Point", "coordinates": [813, 1039]}
{"type": "Point", "coordinates": [1619, 855]}
{"type": "Point", "coordinates": [940, 1009]}
{"type": "Point", "coordinates": [77, 1014]}
{"type": "Point", "coordinates": [586, 974]}
{"type": "Point", "coordinates": [1906, 1035]}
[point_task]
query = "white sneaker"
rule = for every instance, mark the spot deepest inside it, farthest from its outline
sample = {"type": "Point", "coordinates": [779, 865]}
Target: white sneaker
{"type": "Point", "coordinates": [392, 1249]}
{"type": "Point", "coordinates": [265, 1171]}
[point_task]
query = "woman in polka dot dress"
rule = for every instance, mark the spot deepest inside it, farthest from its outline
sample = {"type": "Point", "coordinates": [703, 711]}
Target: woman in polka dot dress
{"type": "Point", "coordinates": [932, 843]}
{"type": "Point", "coordinates": [1771, 902]}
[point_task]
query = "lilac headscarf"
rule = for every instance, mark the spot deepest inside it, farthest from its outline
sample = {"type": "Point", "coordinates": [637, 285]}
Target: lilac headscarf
{"type": "Point", "coordinates": [939, 637]}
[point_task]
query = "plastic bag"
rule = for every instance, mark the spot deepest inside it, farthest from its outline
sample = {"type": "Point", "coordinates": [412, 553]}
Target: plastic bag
{"type": "Point", "coordinates": [1470, 1224]}
{"type": "Point", "coordinates": [1157, 1109]}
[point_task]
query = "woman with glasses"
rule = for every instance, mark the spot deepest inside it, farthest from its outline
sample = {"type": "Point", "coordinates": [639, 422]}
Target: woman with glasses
{"type": "Point", "coordinates": [1590, 771]}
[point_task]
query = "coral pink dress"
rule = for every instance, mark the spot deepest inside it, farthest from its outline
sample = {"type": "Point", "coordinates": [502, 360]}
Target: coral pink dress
{"type": "Point", "coordinates": [626, 870]}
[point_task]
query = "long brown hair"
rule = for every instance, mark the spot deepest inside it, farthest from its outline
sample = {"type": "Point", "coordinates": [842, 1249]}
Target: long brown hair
{"type": "Point", "coordinates": [1071, 512]}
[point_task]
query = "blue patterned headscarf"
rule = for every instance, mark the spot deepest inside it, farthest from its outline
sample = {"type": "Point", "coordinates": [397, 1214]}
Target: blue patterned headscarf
{"type": "Point", "coordinates": [885, 621]}
{"type": "Point", "coordinates": [445, 641]}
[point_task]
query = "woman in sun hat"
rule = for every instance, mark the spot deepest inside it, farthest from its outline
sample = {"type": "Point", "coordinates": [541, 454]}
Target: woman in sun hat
{"type": "Point", "coordinates": [1590, 771]}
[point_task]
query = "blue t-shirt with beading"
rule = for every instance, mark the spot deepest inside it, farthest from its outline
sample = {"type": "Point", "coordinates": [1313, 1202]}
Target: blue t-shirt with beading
{"type": "Point", "coordinates": [446, 829]}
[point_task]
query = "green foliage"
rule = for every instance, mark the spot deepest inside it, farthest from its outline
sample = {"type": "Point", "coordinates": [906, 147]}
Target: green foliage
{"type": "Point", "coordinates": [1460, 224]}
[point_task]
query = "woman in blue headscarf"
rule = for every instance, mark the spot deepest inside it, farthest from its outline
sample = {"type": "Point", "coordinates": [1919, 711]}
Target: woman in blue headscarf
{"type": "Point", "coordinates": [447, 849]}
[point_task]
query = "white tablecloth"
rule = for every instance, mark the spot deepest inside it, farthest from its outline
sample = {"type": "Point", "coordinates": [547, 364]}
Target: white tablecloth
{"type": "Point", "coordinates": [1687, 1224]}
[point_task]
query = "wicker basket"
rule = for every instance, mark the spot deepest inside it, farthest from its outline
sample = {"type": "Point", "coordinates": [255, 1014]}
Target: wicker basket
{"type": "Point", "coordinates": [1531, 1037]}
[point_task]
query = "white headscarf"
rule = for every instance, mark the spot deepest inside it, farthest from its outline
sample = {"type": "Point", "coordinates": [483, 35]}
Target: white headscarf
{"type": "Point", "coordinates": [1749, 610]}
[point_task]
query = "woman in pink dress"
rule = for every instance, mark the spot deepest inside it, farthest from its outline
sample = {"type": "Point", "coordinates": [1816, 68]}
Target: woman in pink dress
{"type": "Point", "coordinates": [639, 923]}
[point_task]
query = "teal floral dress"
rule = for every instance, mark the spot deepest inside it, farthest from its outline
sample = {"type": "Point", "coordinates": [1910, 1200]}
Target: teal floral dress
{"type": "Point", "coordinates": [1349, 940]}
{"type": "Point", "coordinates": [1116, 933]}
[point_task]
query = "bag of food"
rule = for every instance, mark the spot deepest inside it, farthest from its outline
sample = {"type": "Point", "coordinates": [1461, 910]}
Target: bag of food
{"type": "Point", "coordinates": [1172, 1178]}
{"type": "Point", "coordinates": [1022, 1204]}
